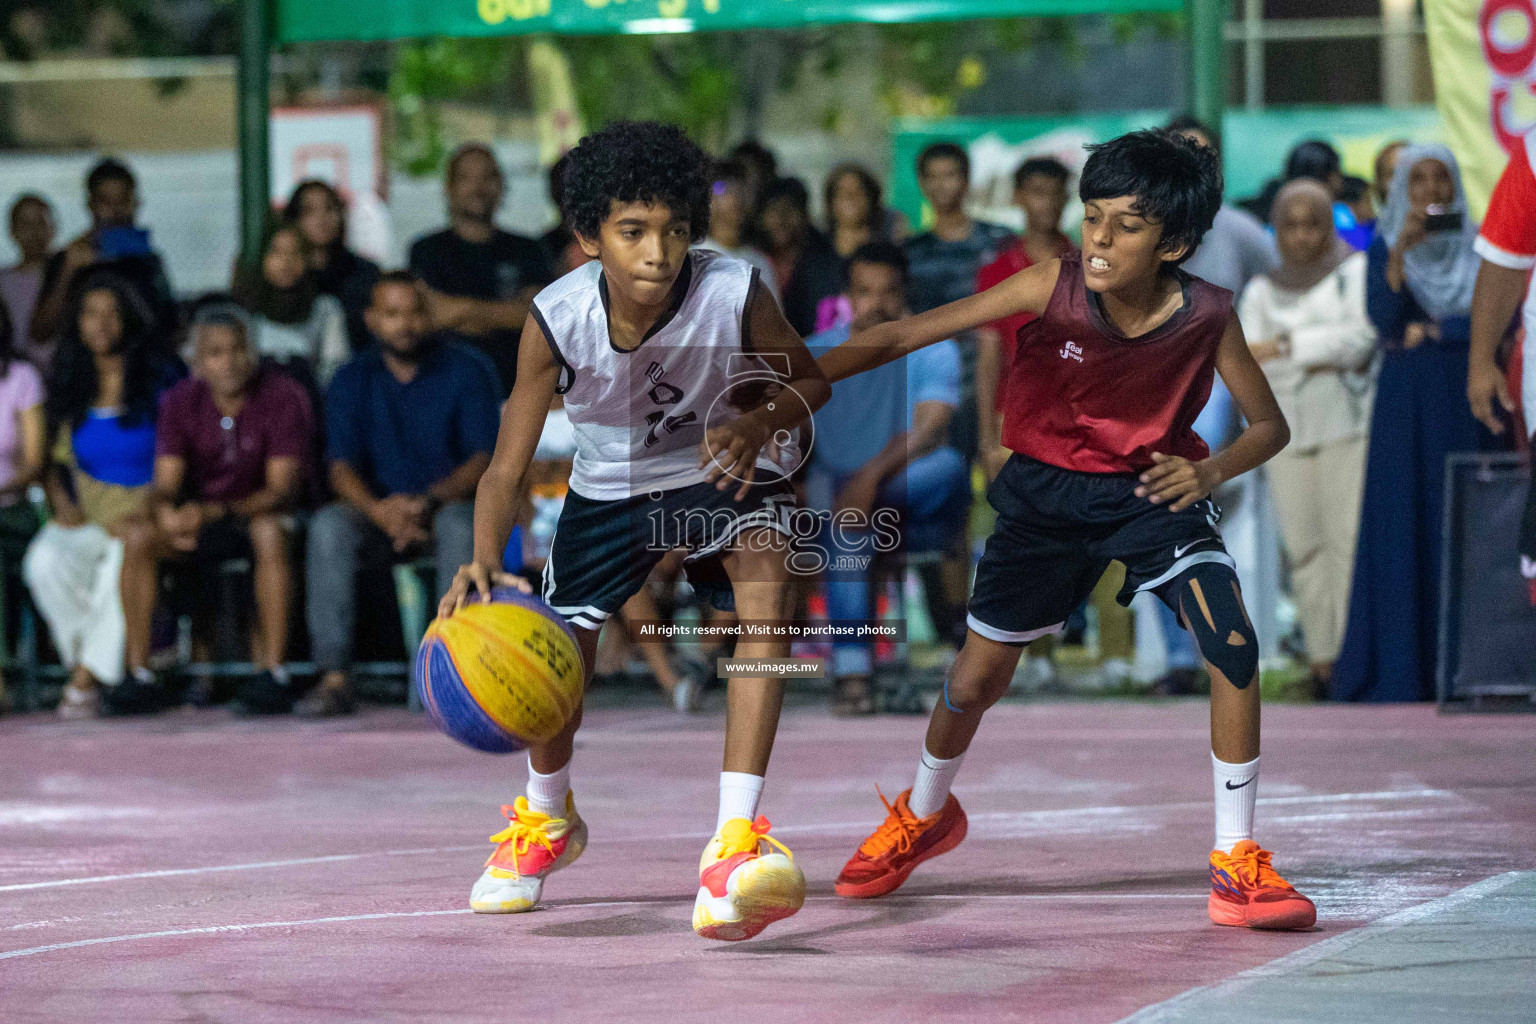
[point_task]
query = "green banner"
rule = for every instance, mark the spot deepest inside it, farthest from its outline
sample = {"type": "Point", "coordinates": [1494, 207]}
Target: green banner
{"type": "Point", "coordinates": [310, 20]}
{"type": "Point", "coordinates": [1254, 150]}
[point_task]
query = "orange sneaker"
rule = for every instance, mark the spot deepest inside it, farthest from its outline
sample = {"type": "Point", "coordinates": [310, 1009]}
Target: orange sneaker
{"type": "Point", "coordinates": [903, 842]}
{"type": "Point", "coordinates": [1247, 893]}
{"type": "Point", "coordinates": [532, 847]}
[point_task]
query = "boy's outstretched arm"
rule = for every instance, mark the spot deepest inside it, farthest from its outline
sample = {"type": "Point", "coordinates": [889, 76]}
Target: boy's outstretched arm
{"type": "Point", "coordinates": [730, 450]}
{"type": "Point", "coordinates": [522, 421]}
{"type": "Point", "coordinates": [1027, 291]}
{"type": "Point", "coordinates": [1181, 482]}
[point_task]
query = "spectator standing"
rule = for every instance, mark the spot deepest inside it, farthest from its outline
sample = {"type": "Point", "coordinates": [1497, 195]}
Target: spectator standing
{"type": "Point", "coordinates": [293, 323]}
{"type": "Point", "coordinates": [410, 427]}
{"type": "Point", "coordinates": [856, 214]}
{"type": "Point", "coordinates": [1040, 190]}
{"type": "Point", "coordinates": [22, 431]}
{"type": "Point", "coordinates": [1308, 329]}
{"type": "Point", "coordinates": [882, 444]}
{"type": "Point", "coordinates": [1420, 276]}
{"type": "Point", "coordinates": [320, 214]}
{"type": "Point", "coordinates": [230, 448]}
{"type": "Point", "coordinates": [32, 230]}
{"type": "Point", "coordinates": [480, 279]}
{"type": "Point", "coordinates": [103, 389]}
{"type": "Point", "coordinates": [808, 269]}
{"type": "Point", "coordinates": [728, 222]}
{"type": "Point", "coordinates": [1385, 168]}
{"type": "Point", "coordinates": [944, 262]}
{"type": "Point", "coordinates": [114, 243]}
{"type": "Point", "coordinates": [1355, 214]}
{"type": "Point", "coordinates": [1237, 249]}
{"type": "Point", "coordinates": [762, 169]}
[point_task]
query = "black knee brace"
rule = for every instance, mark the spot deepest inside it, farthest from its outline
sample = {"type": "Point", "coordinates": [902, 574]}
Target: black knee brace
{"type": "Point", "coordinates": [1206, 597]}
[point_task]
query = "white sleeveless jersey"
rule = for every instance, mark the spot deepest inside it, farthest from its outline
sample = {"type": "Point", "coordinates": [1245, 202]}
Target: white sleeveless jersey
{"type": "Point", "coordinates": [638, 416]}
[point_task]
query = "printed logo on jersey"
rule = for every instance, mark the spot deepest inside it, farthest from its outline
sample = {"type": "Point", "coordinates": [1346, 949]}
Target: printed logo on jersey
{"type": "Point", "coordinates": [1072, 351]}
{"type": "Point", "coordinates": [664, 395]}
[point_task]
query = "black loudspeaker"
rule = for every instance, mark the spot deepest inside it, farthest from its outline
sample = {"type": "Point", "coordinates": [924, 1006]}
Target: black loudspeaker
{"type": "Point", "coordinates": [1487, 608]}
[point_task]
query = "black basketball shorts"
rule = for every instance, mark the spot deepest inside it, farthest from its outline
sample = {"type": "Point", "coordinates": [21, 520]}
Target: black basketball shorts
{"type": "Point", "coordinates": [603, 551]}
{"type": "Point", "coordinates": [1058, 530]}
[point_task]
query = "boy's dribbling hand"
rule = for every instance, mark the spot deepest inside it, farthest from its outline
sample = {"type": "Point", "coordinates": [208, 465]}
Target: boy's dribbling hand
{"type": "Point", "coordinates": [730, 453]}
{"type": "Point", "coordinates": [1178, 480]}
{"type": "Point", "coordinates": [479, 579]}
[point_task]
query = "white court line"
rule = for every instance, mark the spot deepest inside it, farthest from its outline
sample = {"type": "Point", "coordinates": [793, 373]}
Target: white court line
{"type": "Point", "coordinates": [1212, 995]}
{"type": "Point", "coordinates": [171, 872]}
{"type": "Point", "coordinates": [827, 828]}
{"type": "Point", "coordinates": [230, 929]}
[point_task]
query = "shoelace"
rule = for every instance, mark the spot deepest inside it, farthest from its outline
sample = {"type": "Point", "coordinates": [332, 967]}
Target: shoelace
{"type": "Point", "coordinates": [898, 830]}
{"type": "Point", "coordinates": [525, 828]}
{"type": "Point", "coordinates": [741, 836]}
{"type": "Point", "coordinates": [1254, 866]}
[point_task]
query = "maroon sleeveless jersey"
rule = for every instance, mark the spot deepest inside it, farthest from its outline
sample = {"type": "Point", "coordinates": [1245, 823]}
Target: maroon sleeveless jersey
{"type": "Point", "coordinates": [1083, 396]}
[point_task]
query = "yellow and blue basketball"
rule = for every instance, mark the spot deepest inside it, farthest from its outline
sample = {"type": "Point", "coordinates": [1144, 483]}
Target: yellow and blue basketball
{"type": "Point", "coordinates": [500, 675]}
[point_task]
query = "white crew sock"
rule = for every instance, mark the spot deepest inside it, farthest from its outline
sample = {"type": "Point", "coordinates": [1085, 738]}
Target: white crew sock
{"type": "Point", "coordinates": [931, 788]}
{"type": "Point", "coordinates": [1237, 789]}
{"type": "Point", "coordinates": [739, 793]}
{"type": "Point", "coordinates": [547, 793]}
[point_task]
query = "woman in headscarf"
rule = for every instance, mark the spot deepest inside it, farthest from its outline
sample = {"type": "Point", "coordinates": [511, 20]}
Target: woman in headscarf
{"type": "Point", "coordinates": [1308, 329]}
{"type": "Point", "coordinates": [1419, 278]}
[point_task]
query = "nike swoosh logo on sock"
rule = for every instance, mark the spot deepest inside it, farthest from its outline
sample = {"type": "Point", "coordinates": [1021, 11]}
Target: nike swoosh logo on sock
{"type": "Point", "coordinates": [1240, 785]}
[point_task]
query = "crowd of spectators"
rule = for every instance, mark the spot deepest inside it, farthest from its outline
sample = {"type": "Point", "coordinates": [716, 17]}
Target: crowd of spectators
{"type": "Point", "coordinates": [326, 416]}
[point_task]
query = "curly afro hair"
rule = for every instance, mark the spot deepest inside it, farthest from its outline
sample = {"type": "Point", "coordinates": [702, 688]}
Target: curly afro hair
{"type": "Point", "coordinates": [1174, 180]}
{"type": "Point", "coordinates": [637, 162]}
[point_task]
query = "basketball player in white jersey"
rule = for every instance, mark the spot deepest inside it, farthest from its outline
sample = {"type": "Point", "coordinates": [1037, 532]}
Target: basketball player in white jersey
{"type": "Point", "coordinates": [647, 342]}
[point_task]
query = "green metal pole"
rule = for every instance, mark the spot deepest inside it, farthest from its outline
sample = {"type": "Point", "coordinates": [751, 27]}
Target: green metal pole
{"type": "Point", "coordinates": [254, 113]}
{"type": "Point", "coordinates": [1204, 21]}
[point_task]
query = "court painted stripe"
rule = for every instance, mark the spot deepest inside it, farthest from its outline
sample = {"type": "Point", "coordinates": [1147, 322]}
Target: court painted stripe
{"type": "Point", "coordinates": [211, 869]}
{"type": "Point", "coordinates": [834, 828]}
{"type": "Point", "coordinates": [235, 929]}
{"type": "Point", "coordinates": [1212, 996]}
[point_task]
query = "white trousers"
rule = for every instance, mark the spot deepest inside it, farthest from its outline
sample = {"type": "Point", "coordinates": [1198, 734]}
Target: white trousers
{"type": "Point", "coordinates": [75, 575]}
{"type": "Point", "coordinates": [1317, 493]}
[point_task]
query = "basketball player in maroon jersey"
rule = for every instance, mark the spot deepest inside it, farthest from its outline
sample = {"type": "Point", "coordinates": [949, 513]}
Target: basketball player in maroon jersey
{"type": "Point", "coordinates": [1098, 407]}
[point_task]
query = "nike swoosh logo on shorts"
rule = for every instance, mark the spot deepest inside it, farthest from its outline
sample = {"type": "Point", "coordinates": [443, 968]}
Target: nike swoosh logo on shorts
{"type": "Point", "coordinates": [1178, 551]}
{"type": "Point", "coordinates": [1240, 785]}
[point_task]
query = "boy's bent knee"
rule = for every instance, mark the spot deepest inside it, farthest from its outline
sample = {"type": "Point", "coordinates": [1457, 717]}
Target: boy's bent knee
{"type": "Point", "coordinates": [1209, 600]}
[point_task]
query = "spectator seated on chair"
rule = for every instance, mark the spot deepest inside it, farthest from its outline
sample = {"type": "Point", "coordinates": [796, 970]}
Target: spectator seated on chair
{"type": "Point", "coordinates": [230, 449]}
{"type": "Point", "coordinates": [882, 468]}
{"type": "Point", "coordinates": [410, 427]}
{"type": "Point", "coordinates": [103, 388]}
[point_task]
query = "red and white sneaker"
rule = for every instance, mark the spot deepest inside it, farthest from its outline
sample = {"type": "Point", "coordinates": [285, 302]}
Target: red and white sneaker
{"type": "Point", "coordinates": [743, 890]}
{"type": "Point", "coordinates": [532, 847]}
{"type": "Point", "coordinates": [1247, 893]}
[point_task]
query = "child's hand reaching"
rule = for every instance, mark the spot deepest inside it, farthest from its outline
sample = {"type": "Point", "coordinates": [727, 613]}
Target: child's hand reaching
{"type": "Point", "coordinates": [730, 453]}
{"type": "Point", "coordinates": [1178, 480]}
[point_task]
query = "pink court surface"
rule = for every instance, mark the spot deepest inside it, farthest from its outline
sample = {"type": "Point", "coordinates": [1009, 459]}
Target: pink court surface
{"type": "Point", "coordinates": [198, 868]}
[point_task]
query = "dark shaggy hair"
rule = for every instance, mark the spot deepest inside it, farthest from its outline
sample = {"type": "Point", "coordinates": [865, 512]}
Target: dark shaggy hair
{"type": "Point", "coordinates": [1312, 158]}
{"type": "Point", "coordinates": [1174, 181]}
{"type": "Point", "coordinates": [72, 379]}
{"type": "Point", "coordinates": [1045, 166]}
{"type": "Point", "coordinates": [943, 151]}
{"type": "Point", "coordinates": [109, 170]}
{"type": "Point", "coordinates": [637, 162]}
{"type": "Point", "coordinates": [868, 184]}
{"type": "Point", "coordinates": [883, 254]}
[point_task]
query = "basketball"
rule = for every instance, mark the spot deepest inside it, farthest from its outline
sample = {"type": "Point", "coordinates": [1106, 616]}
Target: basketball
{"type": "Point", "coordinates": [500, 675]}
